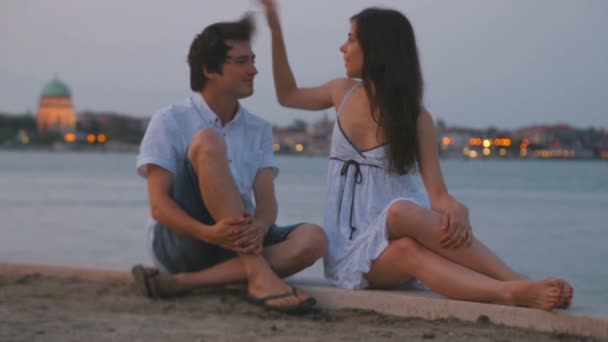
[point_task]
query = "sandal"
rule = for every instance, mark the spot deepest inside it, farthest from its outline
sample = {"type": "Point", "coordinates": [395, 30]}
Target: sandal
{"type": "Point", "coordinates": [301, 307]}
{"type": "Point", "coordinates": [144, 281]}
{"type": "Point", "coordinates": [149, 283]}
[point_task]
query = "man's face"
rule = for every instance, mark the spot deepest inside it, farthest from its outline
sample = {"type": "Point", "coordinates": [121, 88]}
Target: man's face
{"type": "Point", "coordinates": [238, 71]}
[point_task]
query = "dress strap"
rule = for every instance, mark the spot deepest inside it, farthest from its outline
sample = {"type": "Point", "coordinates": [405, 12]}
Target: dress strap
{"type": "Point", "coordinates": [347, 96]}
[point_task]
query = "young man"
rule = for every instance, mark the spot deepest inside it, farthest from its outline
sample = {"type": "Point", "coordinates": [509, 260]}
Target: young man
{"type": "Point", "coordinates": [203, 159]}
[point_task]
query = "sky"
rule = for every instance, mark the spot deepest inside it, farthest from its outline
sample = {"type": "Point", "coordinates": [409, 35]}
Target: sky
{"type": "Point", "coordinates": [501, 63]}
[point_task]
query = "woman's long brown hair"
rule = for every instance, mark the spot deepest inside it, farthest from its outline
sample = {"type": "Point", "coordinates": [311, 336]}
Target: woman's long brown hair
{"type": "Point", "coordinates": [392, 79]}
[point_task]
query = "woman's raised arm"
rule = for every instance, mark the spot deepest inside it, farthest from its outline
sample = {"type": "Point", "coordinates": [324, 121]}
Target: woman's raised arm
{"type": "Point", "coordinates": [287, 90]}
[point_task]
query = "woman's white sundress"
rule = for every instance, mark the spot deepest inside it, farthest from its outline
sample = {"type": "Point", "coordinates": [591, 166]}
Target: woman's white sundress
{"type": "Point", "coordinates": [360, 191]}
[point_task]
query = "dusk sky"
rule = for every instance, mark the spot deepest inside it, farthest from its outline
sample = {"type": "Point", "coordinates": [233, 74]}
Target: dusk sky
{"type": "Point", "coordinates": [505, 63]}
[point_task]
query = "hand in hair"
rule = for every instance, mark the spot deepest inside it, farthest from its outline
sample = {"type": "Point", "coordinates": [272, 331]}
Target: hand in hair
{"type": "Point", "coordinates": [270, 9]}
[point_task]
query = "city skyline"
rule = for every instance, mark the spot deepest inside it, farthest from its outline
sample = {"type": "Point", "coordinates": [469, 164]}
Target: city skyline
{"type": "Point", "coordinates": [486, 64]}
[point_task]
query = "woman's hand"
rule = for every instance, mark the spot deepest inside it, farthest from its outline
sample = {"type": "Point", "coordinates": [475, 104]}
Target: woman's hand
{"type": "Point", "coordinates": [270, 9]}
{"type": "Point", "coordinates": [456, 231]}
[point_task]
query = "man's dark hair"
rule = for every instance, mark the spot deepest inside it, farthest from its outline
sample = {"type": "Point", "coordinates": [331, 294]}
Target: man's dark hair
{"type": "Point", "coordinates": [209, 49]}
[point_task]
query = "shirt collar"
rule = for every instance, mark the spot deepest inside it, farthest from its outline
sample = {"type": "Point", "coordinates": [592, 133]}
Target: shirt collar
{"type": "Point", "coordinates": [201, 106]}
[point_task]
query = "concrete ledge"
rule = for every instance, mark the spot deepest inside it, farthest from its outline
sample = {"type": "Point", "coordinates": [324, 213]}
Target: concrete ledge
{"type": "Point", "coordinates": [410, 303]}
{"type": "Point", "coordinates": [427, 305]}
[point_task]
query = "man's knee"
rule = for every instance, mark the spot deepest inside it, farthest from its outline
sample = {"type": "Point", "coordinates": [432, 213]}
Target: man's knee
{"type": "Point", "coordinates": [207, 143]}
{"type": "Point", "coordinates": [312, 243]}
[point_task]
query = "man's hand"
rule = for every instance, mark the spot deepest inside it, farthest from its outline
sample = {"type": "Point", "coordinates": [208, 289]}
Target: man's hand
{"type": "Point", "coordinates": [251, 237]}
{"type": "Point", "coordinates": [456, 231]}
{"type": "Point", "coordinates": [225, 232]}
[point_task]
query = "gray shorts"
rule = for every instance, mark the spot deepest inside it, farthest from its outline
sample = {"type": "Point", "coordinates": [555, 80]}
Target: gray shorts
{"type": "Point", "coordinates": [183, 254]}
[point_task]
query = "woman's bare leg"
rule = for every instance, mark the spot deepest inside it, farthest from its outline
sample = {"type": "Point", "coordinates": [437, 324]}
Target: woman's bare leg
{"type": "Point", "coordinates": [406, 219]}
{"type": "Point", "coordinates": [406, 257]}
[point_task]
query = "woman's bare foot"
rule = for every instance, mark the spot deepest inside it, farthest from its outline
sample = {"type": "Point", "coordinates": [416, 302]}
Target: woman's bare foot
{"type": "Point", "coordinates": [545, 294]}
{"type": "Point", "coordinates": [567, 294]}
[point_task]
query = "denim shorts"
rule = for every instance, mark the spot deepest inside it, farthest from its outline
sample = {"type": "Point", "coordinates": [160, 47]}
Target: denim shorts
{"type": "Point", "coordinates": [183, 254]}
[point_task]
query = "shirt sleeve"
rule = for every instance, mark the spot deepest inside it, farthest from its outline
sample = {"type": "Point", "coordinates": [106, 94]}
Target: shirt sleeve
{"type": "Point", "coordinates": [268, 159]}
{"type": "Point", "coordinates": [158, 146]}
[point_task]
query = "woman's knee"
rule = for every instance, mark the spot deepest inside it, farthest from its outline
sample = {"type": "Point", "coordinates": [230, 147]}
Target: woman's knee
{"type": "Point", "coordinates": [407, 248]}
{"type": "Point", "coordinates": [207, 143]}
{"type": "Point", "coordinates": [401, 217]}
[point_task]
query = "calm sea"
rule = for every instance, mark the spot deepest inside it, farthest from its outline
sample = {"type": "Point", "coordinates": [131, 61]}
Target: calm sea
{"type": "Point", "coordinates": [545, 218]}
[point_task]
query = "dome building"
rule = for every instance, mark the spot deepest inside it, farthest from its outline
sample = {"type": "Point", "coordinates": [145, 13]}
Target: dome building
{"type": "Point", "coordinates": [55, 110]}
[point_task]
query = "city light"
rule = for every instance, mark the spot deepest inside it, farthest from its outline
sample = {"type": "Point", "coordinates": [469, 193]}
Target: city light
{"type": "Point", "coordinates": [276, 147]}
{"type": "Point", "coordinates": [91, 138]}
{"type": "Point", "coordinates": [475, 141]}
{"type": "Point", "coordinates": [24, 139]}
{"type": "Point", "coordinates": [299, 148]}
{"type": "Point", "coordinates": [487, 143]}
{"type": "Point", "coordinates": [69, 137]}
{"type": "Point", "coordinates": [101, 138]}
{"type": "Point", "coordinates": [506, 142]}
{"type": "Point", "coordinates": [486, 151]}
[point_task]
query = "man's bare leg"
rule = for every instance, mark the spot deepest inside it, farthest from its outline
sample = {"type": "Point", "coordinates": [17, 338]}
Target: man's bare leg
{"type": "Point", "coordinates": [208, 155]}
{"type": "Point", "coordinates": [301, 249]}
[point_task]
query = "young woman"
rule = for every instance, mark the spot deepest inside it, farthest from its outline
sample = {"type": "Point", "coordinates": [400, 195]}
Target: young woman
{"type": "Point", "coordinates": [383, 229]}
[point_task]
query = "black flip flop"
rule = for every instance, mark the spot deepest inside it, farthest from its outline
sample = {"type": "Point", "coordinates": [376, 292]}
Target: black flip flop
{"type": "Point", "coordinates": [301, 307]}
{"type": "Point", "coordinates": [143, 281]}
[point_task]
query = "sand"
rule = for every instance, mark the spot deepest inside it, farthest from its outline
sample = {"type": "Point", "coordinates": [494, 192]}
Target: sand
{"type": "Point", "coordinates": [36, 307]}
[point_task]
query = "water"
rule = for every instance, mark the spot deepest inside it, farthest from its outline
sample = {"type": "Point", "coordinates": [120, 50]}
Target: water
{"type": "Point", "coordinates": [545, 218]}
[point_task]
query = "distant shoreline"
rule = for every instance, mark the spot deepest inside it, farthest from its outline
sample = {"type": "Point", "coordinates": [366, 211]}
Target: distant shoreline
{"type": "Point", "coordinates": [134, 149]}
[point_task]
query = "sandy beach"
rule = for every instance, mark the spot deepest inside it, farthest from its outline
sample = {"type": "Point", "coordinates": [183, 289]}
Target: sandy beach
{"type": "Point", "coordinates": [35, 307]}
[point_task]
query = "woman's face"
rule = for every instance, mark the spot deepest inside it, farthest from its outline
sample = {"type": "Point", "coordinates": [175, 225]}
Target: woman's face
{"type": "Point", "coordinates": [353, 55]}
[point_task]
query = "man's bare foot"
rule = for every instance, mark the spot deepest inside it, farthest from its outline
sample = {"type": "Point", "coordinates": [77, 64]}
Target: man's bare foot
{"type": "Point", "coordinates": [270, 285]}
{"type": "Point", "coordinates": [545, 294]}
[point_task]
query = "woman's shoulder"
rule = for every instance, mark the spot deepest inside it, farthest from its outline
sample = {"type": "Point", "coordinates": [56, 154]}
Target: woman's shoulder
{"type": "Point", "coordinates": [340, 87]}
{"type": "Point", "coordinates": [343, 84]}
{"type": "Point", "coordinates": [426, 123]}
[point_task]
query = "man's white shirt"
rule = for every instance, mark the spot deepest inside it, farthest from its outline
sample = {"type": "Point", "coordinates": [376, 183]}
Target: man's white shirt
{"type": "Point", "coordinates": [248, 138]}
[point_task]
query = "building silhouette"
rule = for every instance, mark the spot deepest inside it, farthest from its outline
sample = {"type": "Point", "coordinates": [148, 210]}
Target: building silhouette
{"type": "Point", "coordinates": [55, 109]}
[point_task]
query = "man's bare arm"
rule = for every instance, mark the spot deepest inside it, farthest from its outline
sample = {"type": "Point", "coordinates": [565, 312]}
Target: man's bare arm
{"type": "Point", "coordinates": [167, 212]}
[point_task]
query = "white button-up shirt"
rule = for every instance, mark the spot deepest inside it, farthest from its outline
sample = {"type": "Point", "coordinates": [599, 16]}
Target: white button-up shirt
{"type": "Point", "coordinates": [249, 142]}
